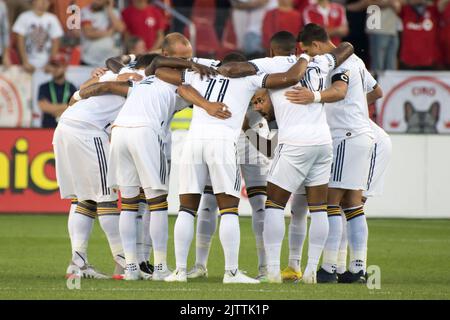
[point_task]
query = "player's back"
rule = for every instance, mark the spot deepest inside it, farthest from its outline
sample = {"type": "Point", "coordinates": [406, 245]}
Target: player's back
{"type": "Point", "coordinates": [235, 93]}
{"type": "Point", "coordinates": [350, 115]}
{"type": "Point", "coordinates": [150, 103]}
{"type": "Point", "coordinates": [300, 124]}
{"type": "Point", "coordinates": [99, 111]}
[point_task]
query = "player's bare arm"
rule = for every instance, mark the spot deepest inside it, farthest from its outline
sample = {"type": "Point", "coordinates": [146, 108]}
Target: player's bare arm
{"type": "Point", "coordinates": [342, 52]}
{"type": "Point", "coordinates": [176, 63]}
{"type": "Point", "coordinates": [237, 69]}
{"type": "Point", "coordinates": [374, 95]}
{"type": "Point", "coordinates": [119, 88]}
{"type": "Point", "coordinates": [288, 78]}
{"type": "Point", "coordinates": [116, 63]}
{"type": "Point", "coordinates": [215, 109]}
{"type": "Point", "coordinates": [301, 95]}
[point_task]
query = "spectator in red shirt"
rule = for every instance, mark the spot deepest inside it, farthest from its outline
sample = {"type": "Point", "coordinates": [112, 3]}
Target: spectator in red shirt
{"type": "Point", "coordinates": [283, 18]}
{"type": "Point", "coordinates": [145, 21]}
{"type": "Point", "coordinates": [444, 10]}
{"type": "Point", "coordinates": [329, 15]}
{"type": "Point", "coordinates": [420, 38]}
{"type": "Point", "coordinates": [300, 5]}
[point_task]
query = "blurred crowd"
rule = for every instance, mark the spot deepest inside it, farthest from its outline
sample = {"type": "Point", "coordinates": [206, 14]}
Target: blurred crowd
{"type": "Point", "coordinates": [393, 34]}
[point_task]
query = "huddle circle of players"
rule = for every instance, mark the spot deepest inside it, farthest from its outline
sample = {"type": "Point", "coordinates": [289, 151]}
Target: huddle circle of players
{"type": "Point", "coordinates": [328, 156]}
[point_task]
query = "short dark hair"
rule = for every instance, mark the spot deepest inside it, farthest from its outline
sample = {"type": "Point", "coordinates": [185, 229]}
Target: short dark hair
{"type": "Point", "coordinates": [283, 41]}
{"type": "Point", "coordinates": [145, 60]}
{"type": "Point", "coordinates": [234, 57]}
{"type": "Point", "coordinates": [313, 32]}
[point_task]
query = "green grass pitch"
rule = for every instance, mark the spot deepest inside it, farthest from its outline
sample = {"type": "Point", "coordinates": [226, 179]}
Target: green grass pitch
{"type": "Point", "coordinates": [414, 257]}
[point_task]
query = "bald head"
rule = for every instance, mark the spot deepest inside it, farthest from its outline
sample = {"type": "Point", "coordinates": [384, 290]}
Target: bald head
{"type": "Point", "coordinates": [176, 45]}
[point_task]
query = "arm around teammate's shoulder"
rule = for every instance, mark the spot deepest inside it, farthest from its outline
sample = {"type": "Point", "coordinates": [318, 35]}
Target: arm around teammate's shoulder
{"type": "Point", "coordinates": [290, 77]}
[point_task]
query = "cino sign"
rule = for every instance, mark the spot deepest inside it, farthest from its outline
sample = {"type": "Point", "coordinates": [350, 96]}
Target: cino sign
{"type": "Point", "coordinates": [27, 172]}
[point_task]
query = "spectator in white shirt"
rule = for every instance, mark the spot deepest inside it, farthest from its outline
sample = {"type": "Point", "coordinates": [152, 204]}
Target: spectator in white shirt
{"type": "Point", "coordinates": [100, 32]}
{"type": "Point", "coordinates": [4, 35]}
{"type": "Point", "coordinates": [38, 35]}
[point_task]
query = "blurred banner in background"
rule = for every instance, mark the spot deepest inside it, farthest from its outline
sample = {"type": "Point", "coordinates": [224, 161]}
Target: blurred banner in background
{"type": "Point", "coordinates": [27, 172]}
{"type": "Point", "coordinates": [15, 97]}
{"type": "Point", "coordinates": [414, 102]}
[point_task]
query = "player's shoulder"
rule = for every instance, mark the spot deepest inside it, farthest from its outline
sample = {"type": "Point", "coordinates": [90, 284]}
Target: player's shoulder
{"type": "Point", "coordinates": [324, 61]}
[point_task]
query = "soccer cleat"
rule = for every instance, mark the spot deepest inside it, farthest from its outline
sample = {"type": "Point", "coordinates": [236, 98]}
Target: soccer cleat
{"type": "Point", "coordinates": [238, 277]}
{"type": "Point", "coordinates": [89, 272]}
{"type": "Point", "coordinates": [145, 267]}
{"type": "Point", "coordinates": [290, 274]}
{"type": "Point", "coordinates": [161, 272]}
{"type": "Point", "coordinates": [73, 271]}
{"type": "Point", "coordinates": [150, 267]}
{"type": "Point", "coordinates": [198, 271]}
{"type": "Point", "coordinates": [310, 277]}
{"type": "Point", "coordinates": [324, 276]}
{"type": "Point", "coordinates": [262, 275]}
{"type": "Point", "coordinates": [349, 277]}
{"type": "Point", "coordinates": [177, 276]}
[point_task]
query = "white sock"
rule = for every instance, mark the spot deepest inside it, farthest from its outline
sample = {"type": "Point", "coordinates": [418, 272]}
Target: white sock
{"type": "Point", "coordinates": [183, 234]}
{"type": "Point", "coordinates": [81, 231]}
{"type": "Point", "coordinates": [342, 255]}
{"type": "Point", "coordinates": [159, 232]}
{"type": "Point", "coordinates": [258, 204]}
{"type": "Point", "coordinates": [357, 237]}
{"type": "Point", "coordinates": [73, 206]}
{"type": "Point", "coordinates": [146, 219]}
{"type": "Point", "coordinates": [140, 238]}
{"type": "Point", "coordinates": [206, 227]}
{"type": "Point", "coordinates": [110, 226]}
{"type": "Point", "coordinates": [230, 238]}
{"type": "Point", "coordinates": [274, 229]}
{"type": "Point", "coordinates": [330, 252]}
{"type": "Point", "coordinates": [318, 233]}
{"type": "Point", "coordinates": [128, 233]}
{"type": "Point", "coordinates": [297, 230]}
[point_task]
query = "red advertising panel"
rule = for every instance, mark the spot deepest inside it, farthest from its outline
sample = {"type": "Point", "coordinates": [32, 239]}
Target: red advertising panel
{"type": "Point", "coordinates": [27, 172]}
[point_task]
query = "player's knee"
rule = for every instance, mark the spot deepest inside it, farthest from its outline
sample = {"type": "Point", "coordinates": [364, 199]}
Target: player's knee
{"type": "Point", "coordinates": [299, 205]}
{"type": "Point", "coordinates": [158, 204]}
{"type": "Point", "coordinates": [107, 208]}
{"type": "Point", "coordinates": [87, 208]}
{"type": "Point", "coordinates": [257, 197]}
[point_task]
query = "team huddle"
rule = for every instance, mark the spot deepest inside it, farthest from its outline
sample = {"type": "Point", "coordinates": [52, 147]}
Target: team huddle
{"type": "Point", "coordinates": [294, 128]}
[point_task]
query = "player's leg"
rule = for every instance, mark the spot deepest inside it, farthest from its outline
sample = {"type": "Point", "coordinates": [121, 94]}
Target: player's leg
{"type": "Point", "coordinates": [159, 230]}
{"type": "Point", "coordinates": [73, 206]}
{"type": "Point", "coordinates": [109, 216]}
{"type": "Point", "coordinates": [142, 231]}
{"type": "Point", "coordinates": [342, 255]}
{"type": "Point", "coordinates": [146, 238]}
{"type": "Point", "coordinates": [206, 227]}
{"type": "Point", "coordinates": [183, 235]}
{"type": "Point", "coordinates": [296, 234]}
{"type": "Point", "coordinates": [192, 179]}
{"type": "Point", "coordinates": [327, 272]}
{"type": "Point", "coordinates": [255, 177]}
{"type": "Point", "coordinates": [224, 170]}
{"type": "Point", "coordinates": [357, 235]}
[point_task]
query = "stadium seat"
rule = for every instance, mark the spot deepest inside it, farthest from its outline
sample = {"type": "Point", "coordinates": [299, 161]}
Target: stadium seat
{"type": "Point", "coordinates": [207, 42]}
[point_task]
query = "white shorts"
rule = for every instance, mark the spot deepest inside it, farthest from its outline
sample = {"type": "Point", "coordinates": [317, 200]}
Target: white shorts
{"type": "Point", "coordinates": [81, 163]}
{"type": "Point", "coordinates": [294, 166]}
{"type": "Point", "coordinates": [379, 161]}
{"type": "Point", "coordinates": [351, 157]}
{"type": "Point", "coordinates": [137, 158]}
{"type": "Point", "coordinates": [254, 175]}
{"type": "Point", "coordinates": [201, 157]}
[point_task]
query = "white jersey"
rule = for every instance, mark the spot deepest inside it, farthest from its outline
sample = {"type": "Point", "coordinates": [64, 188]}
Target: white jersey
{"type": "Point", "coordinates": [235, 93]}
{"type": "Point", "coordinates": [350, 116]}
{"type": "Point", "coordinates": [207, 62]}
{"type": "Point", "coordinates": [300, 125]}
{"type": "Point", "coordinates": [378, 132]}
{"type": "Point", "coordinates": [98, 111]}
{"type": "Point", "coordinates": [151, 103]}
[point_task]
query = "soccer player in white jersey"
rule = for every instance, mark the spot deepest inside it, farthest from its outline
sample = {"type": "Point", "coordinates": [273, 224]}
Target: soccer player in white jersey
{"type": "Point", "coordinates": [347, 115]}
{"type": "Point", "coordinates": [132, 165]}
{"type": "Point", "coordinates": [304, 153]}
{"type": "Point", "coordinates": [254, 167]}
{"type": "Point", "coordinates": [81, 146]}
{"type": "Point", "coordinates": [379, 161]}
{"type": "Point", "coordinates": [211, 148]}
